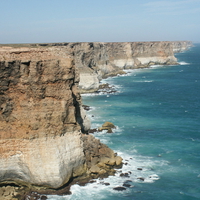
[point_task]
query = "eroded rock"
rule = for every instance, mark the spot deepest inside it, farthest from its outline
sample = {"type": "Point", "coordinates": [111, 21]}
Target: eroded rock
{"type": "Point", "coordinates": [108, 126]}
{"type": "Point", "coordinates": [120, 188]}
{"type": "Point", "coordinates": [100, 159]}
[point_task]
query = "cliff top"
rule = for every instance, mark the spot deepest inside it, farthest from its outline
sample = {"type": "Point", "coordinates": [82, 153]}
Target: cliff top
{"type": "Point", "coordinates": [27, 53]}
{"type": "Point", "coordinates": [34, 45]}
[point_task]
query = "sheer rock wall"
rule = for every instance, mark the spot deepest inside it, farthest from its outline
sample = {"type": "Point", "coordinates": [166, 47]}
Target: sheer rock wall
{"type": "Point", "coordinates": [40, 118]}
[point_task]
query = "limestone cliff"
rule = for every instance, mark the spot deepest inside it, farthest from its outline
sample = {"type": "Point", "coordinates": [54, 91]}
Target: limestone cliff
{"type": "Point", "coordinates": [40, 139]}
{"type": "Point", "coordinates": [41, 118]}
{"type": "Point", "coordinates": [100, 60]}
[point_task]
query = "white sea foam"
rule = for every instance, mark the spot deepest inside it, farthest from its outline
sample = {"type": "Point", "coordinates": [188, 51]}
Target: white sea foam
{"type": "Point", "coordinates": [113, 90]}
{"type": "Point", "coordinates": [90, 94]}
{"type": "Point", "coordinates": [144, 81]}
{"type": "Point", "coordinates": [130, 72]}
{"type": "Point", "coordinates": [156, 66]}
{"type": "Point", "coordinates": [148, 81]}
{"type": "Point", "coordinates": [104, 136]}
{"type": "Point", "coordinates": [138, 170]}
{"type": "Point", "coordinates": [183, 63]}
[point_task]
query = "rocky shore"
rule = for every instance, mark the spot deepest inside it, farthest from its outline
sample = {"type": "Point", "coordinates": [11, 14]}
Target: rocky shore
{"type": "Point", "coordinates": [44, 145]}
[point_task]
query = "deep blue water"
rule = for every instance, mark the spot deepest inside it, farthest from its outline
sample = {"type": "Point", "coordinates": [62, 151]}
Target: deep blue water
{"type": "Point", "coordinates": [157, 114]}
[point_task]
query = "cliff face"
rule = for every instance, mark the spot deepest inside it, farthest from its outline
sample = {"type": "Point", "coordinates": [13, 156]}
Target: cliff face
{"type": "Point", "coordinates": [181, 46]}
{"type": "Point", "coordinates": [40, 119]}
{"type": "Point", "coordinates": [100, 60]}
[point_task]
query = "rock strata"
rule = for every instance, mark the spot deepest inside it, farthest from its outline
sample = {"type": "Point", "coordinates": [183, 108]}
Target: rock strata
{"type": "Point", "coordinates": [100, 60]}
{"type": "Point", "coordinates": [97, 60]}
{"type": "Point", "coordinates": [42, 121]}
{"type": "Point", "coordinates": [108, 126]}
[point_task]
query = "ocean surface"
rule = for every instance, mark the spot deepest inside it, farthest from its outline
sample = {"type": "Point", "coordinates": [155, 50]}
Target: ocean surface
{"type": "Point", "coordinates": [157, 114]}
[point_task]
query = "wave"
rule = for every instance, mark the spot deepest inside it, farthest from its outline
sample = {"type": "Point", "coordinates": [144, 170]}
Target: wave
{"type": "Point", "coordinates": [90, 94]}
{"type": "Point", "coordinates": [183, 63]}
{"type": "Point", "coordinates": [156, 66]}
{"type": "Point", "coordinates": [145, 81]}
{"type": "Point", "coordinates": [130, 72]}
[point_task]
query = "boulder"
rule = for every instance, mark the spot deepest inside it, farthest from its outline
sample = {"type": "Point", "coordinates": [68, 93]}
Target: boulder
{"type": "Point", "coordinates": [118, 160]}
{"type": "Point", "coordinates": [95, 169]}
{"type": "Point", "coordinates": [124, 175]}
{"type": "Point", "coordinates": [107, 126]}
{"type": "Point", "coordinates": [141, 178]}
{"type": "Point", "coordinates": [127, 183]}
{"type": "Point", "coordinates": [101, 161]}
{"type": "Point", "coordinates": [120, 188]}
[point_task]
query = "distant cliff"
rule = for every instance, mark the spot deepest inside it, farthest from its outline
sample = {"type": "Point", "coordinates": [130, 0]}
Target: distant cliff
{"type": "Point", "coordinates": [181, 46]}
{"type": "Point", "coordinates": [97, 60]}
{"type": "Point", "coordinates": [100, 60]}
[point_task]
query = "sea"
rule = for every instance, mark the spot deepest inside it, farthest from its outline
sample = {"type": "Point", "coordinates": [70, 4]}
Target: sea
{"type": "Point", "coordinates": [156, 112]}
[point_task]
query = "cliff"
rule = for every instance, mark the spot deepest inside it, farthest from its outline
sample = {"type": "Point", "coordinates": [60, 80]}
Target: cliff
{"type": "Point", "coordinates": [100, 60]}
{"type": "Point", "coordinates": [181, 46]}
{"type": "Point", "coordinates": [109, 59]}
{"type": "Point", "coordinates": [39, 131]}
{"type": "Point", "coordinates": [42, 120]}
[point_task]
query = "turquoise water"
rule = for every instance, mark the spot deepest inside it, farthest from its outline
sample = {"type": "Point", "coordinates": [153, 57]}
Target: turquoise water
{"type": "Point", "coordinates": [157, 114]}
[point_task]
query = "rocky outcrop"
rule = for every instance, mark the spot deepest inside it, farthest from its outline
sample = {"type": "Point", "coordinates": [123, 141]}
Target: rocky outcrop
{"type": "Point", "coordinates": [107, 126]}
{"type": "Point", "coordinates": [41, 118]}
{"type": "Point", "coordinates": [99, 158]}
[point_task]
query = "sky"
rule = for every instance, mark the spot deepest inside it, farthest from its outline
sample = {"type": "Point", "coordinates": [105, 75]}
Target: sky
{"type": "Point", "coordinates": [46, 21]}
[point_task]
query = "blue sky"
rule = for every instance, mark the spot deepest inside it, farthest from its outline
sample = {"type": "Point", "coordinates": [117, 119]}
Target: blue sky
{"type": "Point", "coordinates": [37, 21]}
